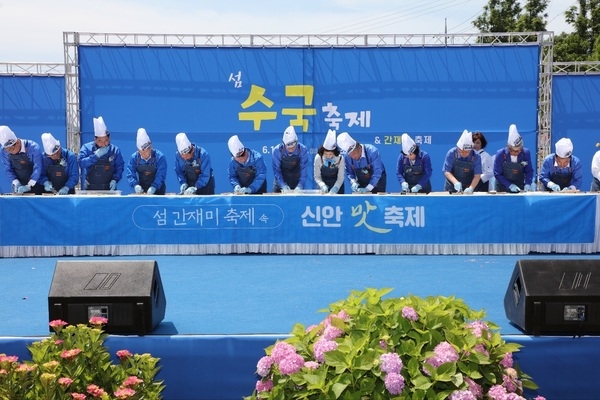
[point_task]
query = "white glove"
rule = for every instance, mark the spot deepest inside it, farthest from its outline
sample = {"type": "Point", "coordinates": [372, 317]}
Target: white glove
{"type": "Point", "coordinates": [334, 190]}
{"type": "Point", "coordinates": [64, 191]}
{"type": "Point", "coordinates": [190, 190]}
{"type": "Point", "coordinates": [138, 189]}
{"type": "Point", "coordinates": [554, 187]}
{"type": "Point", "coordinates": [237, 189]}
{"type": "Point", "coordinates": [246, 190]}
{"type": "Point", "coordinates": [514, 188]}
{"type": "Point", "coordinates": [363, 190]}
{"type": "Point", "coordinates": [23, 189]}
{"type": "Point", "coordinates": [404, 187]}
{"type": "Point", "coordinates": [298, 189]}
{"type": "Point", "coordinates": [113, 185]}
{"type": "Point", "coordinates": [183, 187]}
{"type": "Point", "coordinates": [569, 188]}
{"type": "Point", "coordinates": [48, 186]}
{"type": "Point", "coordinates": [101, 151]}
{"type": "Point", "coordinates": [285, 189]}
{"type": "Point", "coordinates": [151, 190]}
{"type": "Point", "coordinates": [354, 186]}
{"type": "Point", "coordinates": [529, 188]}
{"type": "Point", "coordinates": [458, 187]}
{"type": "Point", "coordinates": [469, 190]}
{"type": "Point", "coordinates": [416, 188]}
{"type": "Point", "coordinates": [324, 189]}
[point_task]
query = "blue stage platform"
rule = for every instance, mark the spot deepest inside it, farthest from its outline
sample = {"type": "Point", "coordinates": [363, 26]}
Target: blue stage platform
{"type": "Point", "coordinates": [222, 311]}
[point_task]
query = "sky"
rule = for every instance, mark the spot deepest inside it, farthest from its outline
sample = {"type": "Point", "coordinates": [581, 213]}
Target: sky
{"type": "Point", "coordinates": [32, 30]}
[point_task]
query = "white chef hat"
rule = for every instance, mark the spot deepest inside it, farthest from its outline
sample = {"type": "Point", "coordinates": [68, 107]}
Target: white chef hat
{"type": "Point", "coordinates": [465, 142]}
{"type": "Point", "coordinates": [51, 145]}
{"type": "Point", "coordinates": [100, 129]}
{"type": "Point", "coordinates": [7, 137]}
{"type": "Point", "coordinates": [564, 148]}
{"type": "Point", "coordinates": [345, 142]}
{"type": "Point", "coordinates": [329, 143]}
{"type": "Point", "coordinates": [142, 139]}
{"type": "Point", "coordinates": [408, 145]}
{"type": "Point", "coordinates": [514, 138]}
{"type": "Point", "coordinates": [236, 148]}
{"type": "Point", "coordinates": [289, 136]}
{"type": "Point", "coordinates": [184, 145]}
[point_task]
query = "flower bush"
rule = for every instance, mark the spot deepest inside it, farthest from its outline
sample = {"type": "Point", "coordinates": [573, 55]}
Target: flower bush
{"type": "Point", "coordinates": [74, 364]}
{"type": "Point", "coordinates": [369, 347]}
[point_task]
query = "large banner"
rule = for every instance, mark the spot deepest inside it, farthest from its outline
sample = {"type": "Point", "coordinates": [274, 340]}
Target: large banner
{"type": "Point", "coordinates": [576, 115]}
{"type": "Point", "coordinates": [30, 106]}
{"type": "Point", "coordinates": [375, 94]}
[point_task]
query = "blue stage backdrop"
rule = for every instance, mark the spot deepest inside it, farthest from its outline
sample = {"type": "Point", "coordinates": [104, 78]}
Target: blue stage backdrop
{"type": "Point", "coordinates": [375, 94]}
{"type": "Point", "coordinates": [30, 106]}
{"type": "Point", "coordinates": [576, 115]}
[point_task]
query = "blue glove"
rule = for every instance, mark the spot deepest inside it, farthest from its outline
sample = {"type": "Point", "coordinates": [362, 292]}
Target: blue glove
{"type": "Point", "coordinates": [113, 185]}
{"type": "Point", "coordinates": [182, 188]}
{"type": "Point", "coordinates": [363, 190]}
{"type": "Point", "coordinates": [246, 190]}
{"type": "Point", "coordinates": [554, 187]}
{"type": "Point", "coordinates": [298, 189]}
{"type": "Point", "coordinates": [469, 190]}
{"type": "Point", "coordinates": [324, 189]}
{"type": "Point", "coordinates": [23, 189]}
{"type": "Point", "coordinates": [404, 187]}
{"type": "Point", "coordinates": [285, 189]}
{"type": "Point", "coordinates": [101, 151]}
{"type": "Point", "coordinates": [458, 187]}
{"type": "Point", "coordinates": [151, 190]}
{"type": "Point", "coordinates": [15, 187]}
{"type": "Point", "coordinates": [138, 189]}
{"type": "Point", "coordinates": [529, 188]}
{"type": "Point", "coordinates": [63, 191]}
{"type": "Point", "coordinates": [190, 190]}
{"type": "Point", "coordinates": [48, 186]}
{"type": "Point", "coordinates": [334, 190]}
{"type": "Point", "coordinates": [354, 186]}
{"type": "Point", "coordinates": [514, 188]}
{"type": "Point", "coordinates": [416, 188]}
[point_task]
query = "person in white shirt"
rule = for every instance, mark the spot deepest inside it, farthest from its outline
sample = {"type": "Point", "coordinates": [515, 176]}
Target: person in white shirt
{"type": "Point", "coordinates": [487, 163]}
{"type": "Point", "coordinates": [596, 171]}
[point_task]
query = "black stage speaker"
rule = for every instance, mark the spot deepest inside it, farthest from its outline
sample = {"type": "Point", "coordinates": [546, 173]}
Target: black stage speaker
{"type": "Point", "coordinates": [559, 297]}
{"type": "Point", "coordinates": [127, 293]}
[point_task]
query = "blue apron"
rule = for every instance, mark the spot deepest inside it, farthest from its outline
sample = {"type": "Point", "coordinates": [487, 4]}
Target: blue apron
{"type": "Point", "coordinates": [290, 170]}
{"type": "Point", "coordinates": [329, 174]}
{"type": "Point", "coordinates": [514, 172]}
{"type": "Point", "coordinates": [100, 175]}
{"type": "Point", "coordinates": [413, 174]}
{"type": "Point", "coordinates": [363, 176]}
{"type": "Point", "coordinates": [463, 171]}
{"type": "Point", "coordinates": [246, 176]}
{"type": "Point", "coordinates": [147, 175]}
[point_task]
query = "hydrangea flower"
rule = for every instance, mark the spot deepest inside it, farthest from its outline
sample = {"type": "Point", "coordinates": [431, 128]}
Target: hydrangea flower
{"type": "Point", "coordinates": [462, 395]}
{"type": "Point", "coordinates": [394, 383]}
{"type": "Point", "coordinates": [390, 362]}
{"type": "Point", "coordinates": [410, 313]}
{"type": "Point", "coordinates": [323, 346]}
{"type": "Point", "coordinates": [264, 366]}
{"type": "Point", "coordinates": [291, 364]}
{"type": "Point", "coordinates": [281, 350]}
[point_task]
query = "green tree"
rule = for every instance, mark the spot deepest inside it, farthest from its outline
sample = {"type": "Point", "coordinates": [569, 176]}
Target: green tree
{"type": "Point", "coordinates": [583, 43]}
{"type": "Point", "coordinates": [509, 16]}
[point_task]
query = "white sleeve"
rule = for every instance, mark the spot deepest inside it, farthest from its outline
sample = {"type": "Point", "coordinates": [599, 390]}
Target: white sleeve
{"type": "Point", "coordinates": [596, 165]}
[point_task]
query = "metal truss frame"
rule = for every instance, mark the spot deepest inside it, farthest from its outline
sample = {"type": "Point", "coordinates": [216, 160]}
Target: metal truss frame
{"type": "Point", "coordinates": [31, 69]}
{"type": "Point", "coordinates": [576, 68]}
{"type": "Point", "coordinates": [72, 40]}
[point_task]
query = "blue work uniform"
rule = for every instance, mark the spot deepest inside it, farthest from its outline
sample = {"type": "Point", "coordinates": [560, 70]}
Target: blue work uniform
{"type": "Point", "coordinates": [368, 170]}
{"type": "Point", "coordinates": [290, 169]}
{"type": "Point", "coordinates": [251, 174]}
{"type": "Point", "coordinates": [197, 171]}
{"type": "Point", "coordinates": [62, 172]}
{"type": "Point", "coordinates": [417, 173]}
{"type": "Point", "coordinates": [96, 173]}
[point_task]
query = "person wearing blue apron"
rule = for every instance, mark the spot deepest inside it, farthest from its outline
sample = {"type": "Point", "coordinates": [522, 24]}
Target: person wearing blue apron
{"type": "Point", "coordinates": [193, 168]}
{"type": "Point", "coordinates": [247, 169]}
{"type": "Point", "coordinates": [22, 160]}
{"type": "Point", "coordinates": [487, 163]}
{"type": "Point", "coordinates": [100, 162]}
{"type": "Point", "coordinates": [364, 167]}
{"type": "Point", "coordinates": [290, 163]}
{"type": "Point", "coordinates": [462, 166]}
{"type": "Point", "coordinates": [561, 171]}
{"type": "Point", "coordinates": [60, 172]}
{"type": "Point", "coordinates": [413, 168]}
{"type": "Point", "coordinates": [328, 166]}
{"type": "Point", "coordinates": [146, 170]}
{"type": "Point", "coordinates": [513, 169]}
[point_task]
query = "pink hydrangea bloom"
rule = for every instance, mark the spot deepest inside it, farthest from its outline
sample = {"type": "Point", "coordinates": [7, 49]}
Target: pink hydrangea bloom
{"type": "Point", "coordinates": [331, 332]}
{"type": "Point", "coordinates": [263, 366]}
{"type": "Point", "coordinates": [410, 313]}
{"type": "Point", "coordinates": [539, 398]}
{"type": "Point", "coordinates": [291, 364]}
{"type": "Point", "coordinates": [98, 321]}
{"type": "Point", "coordinates": [310, 328]}
{"type": "Point", "coordinates": [507, 361]}
{"type": "Point", "coordinates": [311, 365]}
{"type": "Point", "coordinates": [510, 381]}
{"type": "Point", "coordinates": [95, 390]}
{"type": "Point", "coordinates": [497, 392]}
{"type": "Point", "coordinates": [123, 354]}
{"type": "Point", "coordinates": [474, 388]}
{"type": "Point", "coordinates": [394, 383]}
{"type": "Point", "coordinates": [462, 395]}
{"type": "Point", "coordinates": [281, 350]}
{"type": "Point", "coordinates": [124, 393]}
{"type": "Point", "coordinates": [383, 344]}
{"type": "Point", "coordinates": [322, 346]}
{"type": "Point", "coordinates": [390, 362]}
{"type": "Point", "coordinates": [480, 347]}
{"type": "Point", "coordinates": [58, 323]}
{"type": "Point", "coordinates": [64, 381]}
{"type": "Point", "coordinates": [343, 315]}
{"type": "Point", "coordinates": [264, 386]}
{"type": "Point", "coordinates": [78, 396]}
{"type": "Point", "coordinates": [70, 354]}
{"type": "Point", "coordinates": [444, 352]}
{"type": "Point", "coordinates": [477, 328]}
{"type": "Point", "coordinates": [58, 342]}
{"type": "Point", "coordinates": [132, 381]}
{"type": "Point", "coordinates": [9, 359]}
{"type": "Point", "coordinates": [513, 396]}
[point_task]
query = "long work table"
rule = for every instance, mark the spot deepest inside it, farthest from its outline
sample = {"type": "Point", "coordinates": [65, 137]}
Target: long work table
{"type": "Point", "coordinates": [308, 223]}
